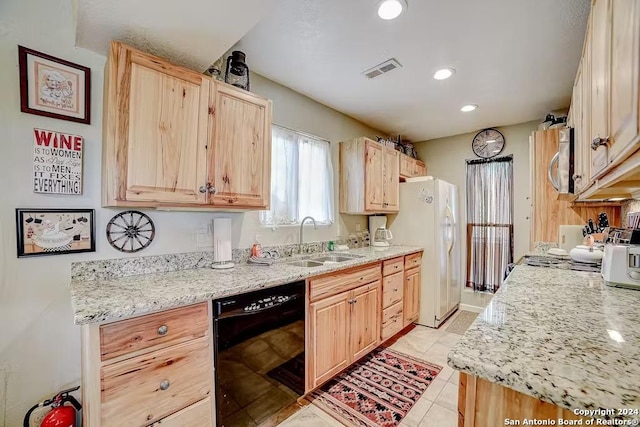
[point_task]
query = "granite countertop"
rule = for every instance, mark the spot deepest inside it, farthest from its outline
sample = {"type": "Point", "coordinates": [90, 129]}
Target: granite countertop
{"type": "Point", "coordinates": [561, 336]}
{"type": "Point", "coordinates": [100, 300]}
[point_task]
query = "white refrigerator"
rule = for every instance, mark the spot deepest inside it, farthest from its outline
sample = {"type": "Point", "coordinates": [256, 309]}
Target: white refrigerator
{"type": "Point", "coordinates": [429, 218]}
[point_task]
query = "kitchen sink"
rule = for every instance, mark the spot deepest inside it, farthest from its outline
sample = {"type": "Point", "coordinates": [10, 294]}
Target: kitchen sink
{"type": "Point", "coordinates": [306, 263]}
{"type": "Point", "coordinates": [334, 258]}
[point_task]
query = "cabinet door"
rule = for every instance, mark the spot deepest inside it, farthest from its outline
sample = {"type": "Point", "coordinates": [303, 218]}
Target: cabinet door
{"type": "Point", "coordinates": [421, 168]}
{"type": "Point", "coordinates": [240, 154]}
{"type": "Point", "coordinates": [411, 299]}
{"type": "Point", "coordinates": [625, 74]}
{"type": "Point", "coordinates": [406, 166]}
{"type": "Point", "coordinates": [391, 180]}
{"type": "Point", "coordinates": [162, 130]}
{"type": "Point", "coordinates": [327, 338]}
{"type": "Point", "coordinates": [365, 313]}
{"type": "Point", "coordinates": [579, 145]}
{"type": "Point", "coordinates": [373, 176]}
{"type": "Point", "coordinates": [600, 63]}
{"type": "Point", "coordinates": [585, 138]}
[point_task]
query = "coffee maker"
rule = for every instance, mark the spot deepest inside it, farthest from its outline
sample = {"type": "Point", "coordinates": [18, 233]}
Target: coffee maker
{"type": "Point", "coordinates": [380, 235]}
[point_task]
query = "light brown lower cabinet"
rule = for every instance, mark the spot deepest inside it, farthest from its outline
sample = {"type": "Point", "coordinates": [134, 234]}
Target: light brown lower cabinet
{"type": "Point", "coordinates": [342, 328]}
{"type": "Point", "coordinates": [482, 403]}
{"type": "Point", "coordinates": [365, 323]}
{"type": "Point", "coordinates": [328, 338]}
{"type": "Point", "coordinates": [411, 295]}
{"type": "Point", "coordinates": [155, 369]}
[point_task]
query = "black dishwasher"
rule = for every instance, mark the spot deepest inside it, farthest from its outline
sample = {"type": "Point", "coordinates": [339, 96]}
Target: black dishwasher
{"type": "Point", "coordinates": [259, 353]}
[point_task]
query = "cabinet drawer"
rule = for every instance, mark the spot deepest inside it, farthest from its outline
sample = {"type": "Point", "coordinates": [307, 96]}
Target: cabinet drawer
{"type": "Point", "coordinates": [339, 282]}
{"type": "Point", "coordinates": [392, 266]}
{"type": "Point", "coordinates": [197, 415]}
{"type": "Point", "coordinates": [413, 260]}
{"type": "Point", "coordinates": [164, 329]}
{"type": "Point", "coordinates": [392, 289]}
{"type": "Point", "coordinates": [132, 391]}
{"type": "Point", "coordinates": [391, 320]}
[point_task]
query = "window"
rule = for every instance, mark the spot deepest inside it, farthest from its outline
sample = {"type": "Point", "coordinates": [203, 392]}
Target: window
{"type": "Point", "coordinates": [301, 179]}
{"type": "Point", "coordinates": [489, 221]}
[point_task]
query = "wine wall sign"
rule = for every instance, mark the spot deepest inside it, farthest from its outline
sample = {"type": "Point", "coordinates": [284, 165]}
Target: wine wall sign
{"type": "Point", "coordinates": [57, 162]}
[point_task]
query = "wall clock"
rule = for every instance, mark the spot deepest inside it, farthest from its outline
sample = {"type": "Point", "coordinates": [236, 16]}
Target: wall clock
{"type": "Point", "coordinates": [488, 143]}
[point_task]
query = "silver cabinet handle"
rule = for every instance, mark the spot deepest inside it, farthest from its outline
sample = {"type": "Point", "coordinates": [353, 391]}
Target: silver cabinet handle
{"type": "Point", "coordinates": [552, 179]}
{"type": "Point", "coordinates": [203, 189]}
{"type": "Point", "coordinates": [212, 190]}
{"type": "Point", "coordinates": [164, 385]}
{"type": "Point", "coordinates": [162, 330]}
{"type": "Point", "coordinates": [597, 142]}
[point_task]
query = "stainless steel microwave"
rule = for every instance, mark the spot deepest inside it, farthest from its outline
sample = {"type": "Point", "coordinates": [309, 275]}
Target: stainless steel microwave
{"type": "Point", "coordinates": [561, 166]}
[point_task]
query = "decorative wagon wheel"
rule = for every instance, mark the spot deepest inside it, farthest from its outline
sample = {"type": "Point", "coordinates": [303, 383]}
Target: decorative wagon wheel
{"type": "Point", "coordinates": [130, 231]}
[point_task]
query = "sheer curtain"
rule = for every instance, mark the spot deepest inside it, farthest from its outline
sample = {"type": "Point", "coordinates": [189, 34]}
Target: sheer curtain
{"type": "Point", "coordinates": [301, 179]}
{"type": "Point", "coordinates": [489, 221]}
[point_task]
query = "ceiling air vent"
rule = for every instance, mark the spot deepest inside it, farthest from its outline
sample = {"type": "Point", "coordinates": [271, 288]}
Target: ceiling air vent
{"type": "Point", "coordinates": [385, 67]}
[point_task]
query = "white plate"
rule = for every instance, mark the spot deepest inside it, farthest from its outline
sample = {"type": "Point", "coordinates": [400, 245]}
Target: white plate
{"type": "Point", "coordinates": [557, 252]}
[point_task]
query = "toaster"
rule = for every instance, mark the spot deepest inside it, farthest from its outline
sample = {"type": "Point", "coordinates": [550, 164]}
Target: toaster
{"type": "Point", "coordinates": [621, 265]}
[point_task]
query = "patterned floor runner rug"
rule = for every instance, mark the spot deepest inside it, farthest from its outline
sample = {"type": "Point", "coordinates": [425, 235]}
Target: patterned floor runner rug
{"type": "Point", "coordinates": [378, 391]}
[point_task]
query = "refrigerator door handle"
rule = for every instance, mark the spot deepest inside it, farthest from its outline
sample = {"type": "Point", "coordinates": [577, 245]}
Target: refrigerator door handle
{"type": "Point", "coordinates": [451, 241]}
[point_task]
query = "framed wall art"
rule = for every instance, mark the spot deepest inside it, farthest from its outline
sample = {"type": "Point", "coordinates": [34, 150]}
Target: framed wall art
{"type": "Point", "coordinates": [53, 87]}
{"type": "Point", "coordinates": [55, 231]}
{"type": "Point", "coordinates": [57, 162]}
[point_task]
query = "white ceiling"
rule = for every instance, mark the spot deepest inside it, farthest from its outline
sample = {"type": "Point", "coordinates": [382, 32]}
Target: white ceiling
{"type": "Point", "coordinates": [516, 59]}
{"type": "Point", "coordinates": [193, 33]}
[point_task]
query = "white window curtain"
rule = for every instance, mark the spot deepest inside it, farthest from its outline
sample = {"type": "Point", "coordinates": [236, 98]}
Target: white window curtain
{"type": "Point", "coordinates": [489, 222]}
{"type": "Point", "coordinates": [301, 179]}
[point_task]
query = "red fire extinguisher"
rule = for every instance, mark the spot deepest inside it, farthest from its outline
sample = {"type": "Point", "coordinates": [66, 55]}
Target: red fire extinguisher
{"type": "Point", "coordinates": [60, 415]}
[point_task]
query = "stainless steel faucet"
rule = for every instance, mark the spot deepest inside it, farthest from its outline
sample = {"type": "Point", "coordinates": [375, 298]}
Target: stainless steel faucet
{"type": "Point", "coordinates": [315, 227]}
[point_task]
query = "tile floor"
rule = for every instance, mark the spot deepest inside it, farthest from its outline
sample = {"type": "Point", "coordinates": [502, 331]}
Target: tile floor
{"type": "Point", "coordinates": [438, 405]}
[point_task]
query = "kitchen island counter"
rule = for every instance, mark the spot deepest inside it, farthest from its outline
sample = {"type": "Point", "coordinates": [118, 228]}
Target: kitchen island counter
{"type": "Point", "coordinates": [102, 300]}
{"type": "Point", "coordinates": [560, 336]}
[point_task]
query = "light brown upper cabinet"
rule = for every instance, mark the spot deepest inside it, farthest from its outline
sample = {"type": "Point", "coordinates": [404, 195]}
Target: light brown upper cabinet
{"type": "Point", "coordinates": [369, 177]}
{"type": "Point", "coordinates": [410, 167]}
{"type": "Point", "coordinates": [173, 137]}
{"type": "Point", "coordinates": [600, 26]}
{"type": "Point", "coordinates": [240, 160]}
{"type": "Point", "coordinates": [625, 78]}
{"type": "Point", "coordinates": [391, 177]}
{"type": "Point", "coordinates": [608, 79]}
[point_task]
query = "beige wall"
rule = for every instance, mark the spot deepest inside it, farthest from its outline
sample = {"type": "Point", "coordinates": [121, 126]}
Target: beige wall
{"type": "Point", "coordinates": [445, 159]}
{"type": "Point", "coordinates": [39, 344]}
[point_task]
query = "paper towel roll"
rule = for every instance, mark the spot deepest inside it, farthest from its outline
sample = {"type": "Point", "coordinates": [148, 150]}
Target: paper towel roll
{"type": "Point", "coordinates": [222, 251]}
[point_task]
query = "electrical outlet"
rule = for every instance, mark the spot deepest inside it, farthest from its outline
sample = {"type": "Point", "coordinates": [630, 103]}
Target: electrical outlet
{"type": "Point", "coordinates": [357, 227]}
{"type": "Point", "coordinates": [204, 237]}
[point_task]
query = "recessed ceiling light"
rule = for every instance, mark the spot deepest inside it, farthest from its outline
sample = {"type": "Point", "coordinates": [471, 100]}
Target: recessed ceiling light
{"type": "Point", "coordinates": [391, 9]}
{"type": "Point", "coordinates": [469, 107]}
{"type": "Point", "coordinates": [444, 73]}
